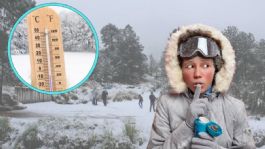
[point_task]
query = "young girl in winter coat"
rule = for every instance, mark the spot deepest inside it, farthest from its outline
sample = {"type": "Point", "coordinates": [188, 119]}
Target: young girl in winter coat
{"type": "Point", "coordinates": [199, 55]}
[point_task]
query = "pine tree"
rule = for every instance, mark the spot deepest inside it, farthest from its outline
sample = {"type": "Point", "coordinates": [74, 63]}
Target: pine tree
{"type": "Point", "coordinates": [261, 44]}
{"type": "Point", "coordinates": [133, 65]}
{"type": "Point", "coordinates": [153, 66]}
{"type": "Point", "coordinates": [124, 51]}
{"type": "Point", "coordinates": [103, 71]}
{"type": "Point", "coordinates": [10, 10]}
{"type": "Point", "coordinates": [248, 82]}
{"type": "Point", "coordinates": [111, 38]}
{"type": "Point", "coordinates": [161, 75]}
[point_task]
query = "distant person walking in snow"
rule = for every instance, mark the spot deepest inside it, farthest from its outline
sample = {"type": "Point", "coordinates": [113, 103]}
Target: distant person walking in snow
{"type": "Point", "coordinates": [95, 96]}
{"type": "Point", "coordinates": [152, 101]}
{"type": "Point", "coordinates": [140, 101]}
{"type": "Point", "coordinates": [104, 97]}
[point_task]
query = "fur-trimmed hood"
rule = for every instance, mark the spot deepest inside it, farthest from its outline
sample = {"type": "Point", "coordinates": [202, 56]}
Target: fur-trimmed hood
{"type": "Point", "coordinates": [223, 77]}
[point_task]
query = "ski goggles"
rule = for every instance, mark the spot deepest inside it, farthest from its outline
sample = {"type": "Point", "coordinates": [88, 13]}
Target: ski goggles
{"type": "Point", "coordinates": [206, 46]}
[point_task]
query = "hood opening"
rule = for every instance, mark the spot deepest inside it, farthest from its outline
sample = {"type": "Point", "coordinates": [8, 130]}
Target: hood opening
{"type": "Point", "coordinates": [225, 68]}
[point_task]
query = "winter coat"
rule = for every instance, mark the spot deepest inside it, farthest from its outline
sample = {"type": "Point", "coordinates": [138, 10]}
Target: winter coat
{"type": "Point", "coordinates": [140, 98]}
{"type": "Point", "coordinates": [152, 98]}
{"type": "Point", "coordinates": [95, 94]}
{"type": "Point", "coordinates": [169, 130]}
{"type": "Point", "coordinates": [104, 95]}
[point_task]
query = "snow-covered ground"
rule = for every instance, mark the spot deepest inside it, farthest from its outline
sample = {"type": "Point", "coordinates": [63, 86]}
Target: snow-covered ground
{"type": "Point", "coordinates": [112, 116]}
{"type": "Point", "coordinates": [76, 120]}
{"type": "Point", "coordinates": [77, 66]}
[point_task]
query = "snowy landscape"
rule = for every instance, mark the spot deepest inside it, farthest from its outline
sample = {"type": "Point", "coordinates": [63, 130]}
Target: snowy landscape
{"type": "Point", "coordinates": [77, 125]}
{"type": "Point", "coordinates": [51, 118]}
{"type": "Point", "coordinates": [130, 62]}
{"type": "Point", "coordinates": [77, 66]}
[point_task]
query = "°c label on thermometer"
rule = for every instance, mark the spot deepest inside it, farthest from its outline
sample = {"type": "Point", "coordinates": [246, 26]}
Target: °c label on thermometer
{"type": "Point", "coordinates": [46, 50]}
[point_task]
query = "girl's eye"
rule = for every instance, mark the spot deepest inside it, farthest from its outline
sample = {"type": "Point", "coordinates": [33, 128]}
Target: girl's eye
{"type": "Point", "coordinates": [189, 66]}
{"type": "Point", "coordinates": [205, 66]}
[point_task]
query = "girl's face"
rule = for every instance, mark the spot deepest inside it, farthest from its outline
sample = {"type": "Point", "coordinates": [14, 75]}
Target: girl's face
{"type": "Point", "coordinates": [198, 70]}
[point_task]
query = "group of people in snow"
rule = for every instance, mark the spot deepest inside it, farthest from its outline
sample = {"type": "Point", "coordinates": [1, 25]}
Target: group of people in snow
{"type": "Point", "coordinates": [152, 99]}
{"type": "Point", "coordinates": [104, 96]}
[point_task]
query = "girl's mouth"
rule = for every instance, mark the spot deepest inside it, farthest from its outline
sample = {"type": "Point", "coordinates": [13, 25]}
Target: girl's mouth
{"type": "Point", "coordinates": [199, 83]}
{"type": "Point", "coordinates": [196, 84]}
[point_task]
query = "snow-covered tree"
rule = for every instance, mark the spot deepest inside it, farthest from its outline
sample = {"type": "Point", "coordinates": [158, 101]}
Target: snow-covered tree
{"type": "Point", "coordinates": [241, 41]}
{"type": "Point", "coordinates": [104, 71]}
{"type": "Point", "coordinates": [261, 44]}
{"type": "Point", "coordinates": [108, 57]}
{"type": "Point", "coordinates": [110, 36]}
{"type": "Point", "coordinates": [249, 80]}
{"type": "Point", "coordinates": [132, 64]}
{"type": "Point", "coordinates": [10, 11]}
{"type": "Point", "coordinates": [153, 66]}
{"type": "Point", "coordinates": [20, 39]}
{"type": "Point", "coordinates": [77, 35]}
{"type": "Point", "coordinates": [124, 51]}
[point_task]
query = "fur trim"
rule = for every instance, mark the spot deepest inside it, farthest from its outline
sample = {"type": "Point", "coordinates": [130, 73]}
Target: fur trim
{"type": "Point", "coordinates": [223, 77]}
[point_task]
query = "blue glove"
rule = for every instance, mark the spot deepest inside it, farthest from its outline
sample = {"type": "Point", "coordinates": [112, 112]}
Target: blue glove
{"type": "Point", "coordinates": [202, 124]}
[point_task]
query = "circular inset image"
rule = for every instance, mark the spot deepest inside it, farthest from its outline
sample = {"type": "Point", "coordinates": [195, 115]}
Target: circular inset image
{"type": "Point", "coordinates": [53, 48]}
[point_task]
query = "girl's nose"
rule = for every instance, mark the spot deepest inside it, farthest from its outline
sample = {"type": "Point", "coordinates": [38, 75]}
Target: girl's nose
{"type": "Point", "coordinates": [197, 73]}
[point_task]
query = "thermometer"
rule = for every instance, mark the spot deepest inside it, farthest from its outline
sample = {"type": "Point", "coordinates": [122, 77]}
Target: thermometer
{"type": "Point", "coordinates": [46, 50]}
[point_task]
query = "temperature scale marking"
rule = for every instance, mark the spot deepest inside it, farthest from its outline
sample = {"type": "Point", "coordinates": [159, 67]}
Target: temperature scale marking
{"type": "Point", "coordinates": [46, 50]}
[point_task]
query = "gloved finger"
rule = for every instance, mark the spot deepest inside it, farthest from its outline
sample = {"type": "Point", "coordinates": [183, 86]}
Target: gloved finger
{"type": "Point", "coordinates": [206, 136]}
{"type": "Point", "coordinates": [199, 107]}
{"type": "Point", "coordinates": [198, 112]}
{"type": "Point", "coordinates": [196, 146]}
{"type": "Point", "coordinates": [194, 105]}
{"type": "Point", "coordinates": [200, 141]}
{"type": "Point", "coordinates": [202, 100]}
{"type": "Point", "coordinates": [197, 92]}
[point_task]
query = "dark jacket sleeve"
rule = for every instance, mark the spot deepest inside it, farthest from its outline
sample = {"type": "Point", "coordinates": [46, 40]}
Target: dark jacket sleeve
{"type": "Point", "coordinates": [162, 137]}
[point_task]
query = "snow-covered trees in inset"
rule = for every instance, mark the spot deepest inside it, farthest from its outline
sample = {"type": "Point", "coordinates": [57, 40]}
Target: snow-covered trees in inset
{"type": "Point", "coordinates": [20, 39]}
{"type": "Point", "coordinates": [77, 35]}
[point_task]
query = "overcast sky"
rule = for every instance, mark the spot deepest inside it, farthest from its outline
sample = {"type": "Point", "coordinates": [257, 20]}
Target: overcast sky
{"type": "Point", "coordinates": [153, 20]}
